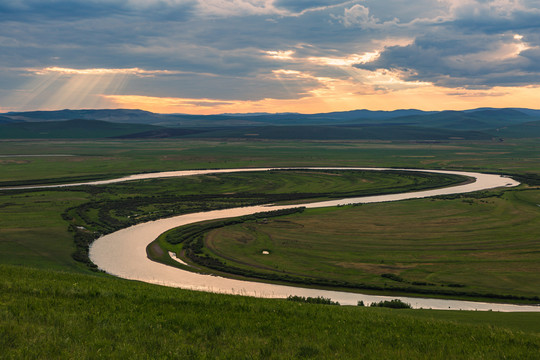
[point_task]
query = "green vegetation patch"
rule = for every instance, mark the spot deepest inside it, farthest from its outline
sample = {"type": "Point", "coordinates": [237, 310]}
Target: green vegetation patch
{"type": "Point", "coordinates": [19, 162]}
{"type": "Point", "coordinates": [481, 245]}
{"type": "Point", "coordinates": [38, 227]}
{"type": "Point", "coordinates": [47, 314]}
{"type": "Point", "coordinates": [121, 205]}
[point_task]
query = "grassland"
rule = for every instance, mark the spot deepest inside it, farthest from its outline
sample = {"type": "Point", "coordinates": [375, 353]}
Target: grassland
{"type": "Point", "coordinates": [114, 158]}
{"type": "Point", "coordinates": [50, 315]}
{"type": "Point", "coordinates": [66, 314]}
{"type": "Point", "coordinates": [34, 224]}
{"type": "Point", "coordinates": [467, 246]}
{"type": "Point", "coordinates": [32, 231]}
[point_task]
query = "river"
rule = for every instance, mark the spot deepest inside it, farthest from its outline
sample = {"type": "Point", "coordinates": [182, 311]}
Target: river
{"type": "Point", "coordinates": [123, 253]}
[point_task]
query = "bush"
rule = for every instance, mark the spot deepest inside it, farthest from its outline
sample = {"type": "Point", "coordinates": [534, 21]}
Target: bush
{"type": "Point", "coordinates": [394, 304]}
{"type": "Point", "coordinates": [313, 300]}
{"type": "Point", "coordinates": [393, 277]}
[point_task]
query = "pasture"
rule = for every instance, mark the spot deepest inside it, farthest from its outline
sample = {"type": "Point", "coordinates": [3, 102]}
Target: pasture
{"type": "Point", "coordinates": [52, 306]}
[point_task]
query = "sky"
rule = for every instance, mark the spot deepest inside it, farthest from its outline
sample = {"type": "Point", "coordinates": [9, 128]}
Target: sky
{"type": "Point", "coordinates": [249, 56]}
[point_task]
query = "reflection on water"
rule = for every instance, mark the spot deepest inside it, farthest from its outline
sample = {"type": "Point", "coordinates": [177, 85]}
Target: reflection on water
{"type": "Point", "coordinates": [123, 253]}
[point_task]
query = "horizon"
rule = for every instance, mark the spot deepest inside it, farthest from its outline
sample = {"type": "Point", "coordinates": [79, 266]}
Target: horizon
{"type": "Point", "coordinates": [206, 57]}
{"type": "Point", "coordinates": [277, 113]}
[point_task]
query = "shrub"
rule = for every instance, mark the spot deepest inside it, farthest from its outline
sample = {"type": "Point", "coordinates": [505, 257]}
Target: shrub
{"type": "Point", "coordinates": [394, 304]}
{"type": "Point", "coordinates": [313, 300]}
{"type": "Point", "coordinates": [393, 277]}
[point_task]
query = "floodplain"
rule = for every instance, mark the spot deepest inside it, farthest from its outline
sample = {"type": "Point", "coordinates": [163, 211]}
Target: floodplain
{"type": "Point", "coordinates": [489, 245]}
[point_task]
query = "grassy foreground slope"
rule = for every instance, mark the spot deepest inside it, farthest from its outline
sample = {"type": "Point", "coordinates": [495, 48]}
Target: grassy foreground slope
{"type": "Point", "coordinates": [32, 231]}
{"type": "Point", "coordinates": [47, 314]}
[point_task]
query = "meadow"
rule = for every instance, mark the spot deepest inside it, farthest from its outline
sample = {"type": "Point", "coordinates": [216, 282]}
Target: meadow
{"type": "Point", "coordinates": [55, 315]}
{"type": "Point", "coordinates": [469, 245]}
{"type": "Point", "coordinates": [108, 158]}
{"type": "Point", "coordinates": [38, 226]}
{"type": "Point", "coordinates": [40, 275]}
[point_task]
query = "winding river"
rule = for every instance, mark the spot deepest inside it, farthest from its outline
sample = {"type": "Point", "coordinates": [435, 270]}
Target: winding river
{"type": "Point", "coordinates": [123, 253]}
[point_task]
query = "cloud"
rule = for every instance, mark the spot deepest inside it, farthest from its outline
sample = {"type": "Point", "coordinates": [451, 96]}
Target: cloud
{"type": "Point", "coordinates": [301, 7]}
{"type": "Point", "coordinates": [100, 71]}
{"type": "Point", "coordinates": [227, 8]}
{"type": "Point", "coordinates": [252, 50]}
{"type": "Point", "coordinates": [479, 45]}
{"type": "Point", "coordinates": [71, 10]}
{"type": "Point", "coordinates": [349, 60]}
{"type": "Point", "coordinates": [280, 54]}
{"type": "Point", "coordinates": [454, 63]}
{"type": "Point", "coordinates": [358, 15]}
{"type": "Point", "coordinates": [298, 6]}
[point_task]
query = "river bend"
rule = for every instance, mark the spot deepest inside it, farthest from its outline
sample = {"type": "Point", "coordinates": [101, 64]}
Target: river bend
{"type": "Point", "coordinates": [123, 253]}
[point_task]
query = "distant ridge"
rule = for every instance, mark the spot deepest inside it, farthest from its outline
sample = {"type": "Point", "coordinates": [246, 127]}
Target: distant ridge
{"type": "Point", "coordinates": [113, 115]}
{"type": "Point", "coordinates": [408, 124]}
{"type": "Point", "coordinates": [69, 129]}
{"type": "Point", "coordinates": [474, 119]}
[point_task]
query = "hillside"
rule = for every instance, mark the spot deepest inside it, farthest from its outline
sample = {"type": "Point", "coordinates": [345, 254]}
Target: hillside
{"type": "Point", "coordinates": [48, 314]}
{"type": "Point", "coordinates": [477, 120]}
{"type": "Point", "coordinates": [476, 124]}
{"type": "Point", "coordinates": [69, 129]}
{"type": "Point", "coordinates": [526, 130]}
{"type": "Point", "coordinates": [114, 115]}
{"type": "Point", "coordinates": [474, 119]}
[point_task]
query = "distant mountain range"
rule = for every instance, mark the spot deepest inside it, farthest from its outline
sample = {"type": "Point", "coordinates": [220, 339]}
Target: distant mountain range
{"type": "Point", "coordinates": [475, 124]}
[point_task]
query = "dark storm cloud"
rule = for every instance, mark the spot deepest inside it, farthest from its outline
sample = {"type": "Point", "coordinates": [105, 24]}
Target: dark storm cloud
{"type": "Point", "coordinates": [480, 46]}
{"type": "Point", "coordinates": [25, 10]}
{"type": "Point", "coordinates": [458, 62]}
{"type": "Point", "coordinates": [67, 10]}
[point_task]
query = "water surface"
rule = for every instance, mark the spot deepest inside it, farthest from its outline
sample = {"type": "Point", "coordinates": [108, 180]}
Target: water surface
{"type": "Point", "coordinates": [123, 253]}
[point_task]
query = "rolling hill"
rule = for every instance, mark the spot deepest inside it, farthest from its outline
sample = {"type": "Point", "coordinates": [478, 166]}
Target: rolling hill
{"type": "Point", "coordinates": [474, 119]}
{"type": "Point", "coordinates": [69, 129]}
{"type": "Point", "coordinates": [475, 124]}
{"type": "Point", "coordinates": [477, 120]}
{"type": "Point", "coordinates": [526, 130]}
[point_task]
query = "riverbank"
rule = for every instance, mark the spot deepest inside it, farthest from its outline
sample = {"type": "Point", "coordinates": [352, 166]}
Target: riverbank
{"type": "Point", "coordinates": [123, 253]}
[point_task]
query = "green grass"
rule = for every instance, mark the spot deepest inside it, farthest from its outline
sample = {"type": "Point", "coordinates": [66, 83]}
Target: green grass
{"type": "Point", "coordinates": [48, 314]}
{"type": "Point", "coordinates": [525, 322]}
{"type": "Point", "coordinates": [109, 158]}
{"type": "Point", "coordinates": [32, 231]}
{"type": "Point", "coordinates": [342, 132]}
{"type": "Point", "coordinates": [34, 228]}
{"type": "Point", "coordinates": [51, 314]}
{"type": "Point", "coordinates": [473, 246]}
